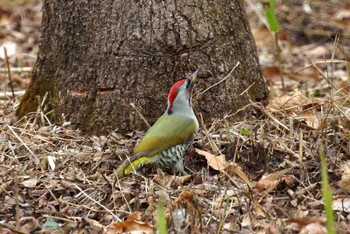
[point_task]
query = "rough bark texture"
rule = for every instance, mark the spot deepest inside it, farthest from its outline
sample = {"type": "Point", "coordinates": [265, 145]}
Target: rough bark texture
{"type": "Point", "coordinates": [97, 57]}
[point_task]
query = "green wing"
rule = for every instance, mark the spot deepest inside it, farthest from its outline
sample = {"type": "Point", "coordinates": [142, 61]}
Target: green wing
{"type": "Point", "coordinates": [169, 130]}
{"type": "Point", "coordinates": [166, 132]}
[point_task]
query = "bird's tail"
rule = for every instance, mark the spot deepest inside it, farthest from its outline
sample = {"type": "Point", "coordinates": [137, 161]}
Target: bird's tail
{"type": "Point", "coordinates": [134, 163]}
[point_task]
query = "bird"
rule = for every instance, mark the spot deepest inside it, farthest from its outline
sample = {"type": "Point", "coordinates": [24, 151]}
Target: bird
{"type": "Point", "coordinates": [165, 143]}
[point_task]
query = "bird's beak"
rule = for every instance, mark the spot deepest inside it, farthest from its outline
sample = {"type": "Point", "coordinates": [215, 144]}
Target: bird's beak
{"type": "Point", "coordinates": [193, 77]}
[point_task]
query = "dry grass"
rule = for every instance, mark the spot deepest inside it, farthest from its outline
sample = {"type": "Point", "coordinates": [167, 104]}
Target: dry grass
{"type": "Point", "coordinates": [51, 172]}
{"type": "Point", "coordinates": [272, 183]}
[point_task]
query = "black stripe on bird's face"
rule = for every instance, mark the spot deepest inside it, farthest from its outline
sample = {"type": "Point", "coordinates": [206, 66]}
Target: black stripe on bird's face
{"type": "Point", "coordinates": [188, 84]}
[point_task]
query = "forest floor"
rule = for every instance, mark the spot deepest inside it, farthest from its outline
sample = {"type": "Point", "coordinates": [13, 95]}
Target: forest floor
{"type": "Point", "coordinates": [251, 176]}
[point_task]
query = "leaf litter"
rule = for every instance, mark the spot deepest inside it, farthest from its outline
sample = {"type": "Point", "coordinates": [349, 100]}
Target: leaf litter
{"type": "Point", "coordinates": [256, 176]}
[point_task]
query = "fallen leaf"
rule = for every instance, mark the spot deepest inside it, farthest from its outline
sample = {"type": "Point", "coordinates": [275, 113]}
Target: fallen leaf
{"type": "Point", "coordinates": [290, 181]}
{"type": "Point", "coordinates": [167, 180]}
{"type": "Point", "coordinates": [271, 73]}
{"type": "Point", "coordinates": [30, 183]}
{"type": "Point", "coordinates": [277, 175]}
{"type": "Point", "coordinates": [342, 14]}
{"type": "Point", "coordinates": [313, 228]}
{"type": "Point", "coordinates": [180, 180]}
{"type": "Point", "coordinates": [246, 221]}
{"type": "Point", "coordinates": [184, 195]}
{"type": "Point", "coordinates": [269, 183]}
{"type": "Point", "coordinates": [262, 36]}
{"type": "Point", "coordinates": [342, 205]}
{"type": "Point", "coordinates": [259, 210]}
{"type": "Point", "coordinates": [51, 160]}
{"type": "Point", "coordinates": [288, 102]}
{"type": "Point", "coordinates": [304, 221]}
{"type": "Point", "coordinates": [234, 168]}
{"type": "Point", "coordinates": [311, 120]}
{"type": "Point", "coordinates": [131, 224]}
{"type": "Point", "coordinates": [344, 183]}
{"type": "Point", "coordinates": [266, 185]}
{"type": "Point", "coordinates": [216, 162]}
{"type": "Point", "coordinates": [200, 190]}
{"type": "Point", "coordinates": [316, 52]}
{"type": "Point", "coordinates": [310, 77]}
{"type": "Point", "coordinates": [30, 224]}
{"type": "Point", "coordinates": [11, 49]}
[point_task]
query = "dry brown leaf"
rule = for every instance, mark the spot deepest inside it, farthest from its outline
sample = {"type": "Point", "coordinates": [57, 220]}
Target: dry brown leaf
{"type": "Point", "coordinates": [234, 168]}
{"type": "Point", "coordinates": [277, 175]}
{"type": "Point", "coordinates": [288, 102]}
{"type": "Point", "coordinates": [185, 195]}
{"type": "Point", "coordinates": [312, 120]}
{"type": "Point", "coordinates": [247, 221]}
{"type": "Point", "coordinates": [269, 183]}
{"type": "Point", "coordinates": [30, 183]}
{"type": "Point", "coordinates": [262, 36]}
{"type": "Point", "coordinates": [266, 185]}
{"type": "Point", "coordinates": [200, 190]}
{"type": "Point", "coordinates": [342, 18]}
{"type": "Point", "coordinates": [342, 14]}
{"type": "Point", "coordinates": [180, 180]}
{"type": "Point", "coordinates": [216, 162]}
{"type": "Point", "coordinates": [259, 210]}
{"type": "Point", "coordinates": [304, 221]}
{"type": "Point", "coordinates": [342, 205]}
{"type": "Point", "coordinates": [316, 52]}
{"type": "Point", "coordinates": [313, 228]}
{"type": "Point", "coordinates": [29, 224]}
{"type": "Point", "coordinates": [93, 223]}
{"type": "Point", "coordinates": [290, 181]}
{"type": "Point", "coordinates": [68, 185]}
{"type": "Point", "coordinates": [131, 224]}
{"type": "Point", "coordinates": [271, 73]}
{"type": "Point", "coordinates": [167, 180]}
{"type": "Point", "coordinates": [344, 183]}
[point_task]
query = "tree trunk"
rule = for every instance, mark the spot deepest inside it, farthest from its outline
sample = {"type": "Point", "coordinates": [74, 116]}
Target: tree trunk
{"type": "Point", "coordinates": [97, 57]}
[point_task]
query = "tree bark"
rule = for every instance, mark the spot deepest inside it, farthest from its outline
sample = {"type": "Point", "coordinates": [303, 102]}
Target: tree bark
{"type": "Point", "coordinates": [97, 57]}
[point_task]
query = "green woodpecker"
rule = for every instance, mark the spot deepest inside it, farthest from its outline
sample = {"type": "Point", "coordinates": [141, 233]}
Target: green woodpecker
{"type": "Point", "coordinates": [165, 143]}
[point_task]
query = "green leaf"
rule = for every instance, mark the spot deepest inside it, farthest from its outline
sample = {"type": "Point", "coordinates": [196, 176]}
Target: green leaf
{"type": "Point", "coordinates": [327, 194]}
{"type": "Point", "coordinates": [161, 222]}
{"type": "Point", "coordinates": [228, 130]}
{"type": "Point", "coordinates": [270, 12]}
{"type": "Point", "coordinates": [245, 132]}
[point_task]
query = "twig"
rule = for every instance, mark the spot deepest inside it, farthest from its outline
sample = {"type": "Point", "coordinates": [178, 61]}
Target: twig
{"type": "Point", "coordinates": [17, 69]}
{"type": "Point", "coordinates": [320, 62]}
{"type": "Point", "coordinates": [220, 81]}
{"type": "Point", "coordinates": [277, 121]}
{"type": "Point", "coordinates": [302, 168]}
{"type": "Point", "coordinates": [246, 90]}
{"type": "Point", "coordinates": [17, 93]}
{"type": "Point", "coordinates": [141, 115]}
{"type": "Point", "coordinates": [40, 109]}
{"type": "Point", "coordinates": [25, 146]}
{"type": "Point", "coordinates": [12, 228]}
{"type": "Point", "coordinates": [93, 200]}
{"type": "Point", "coordinates": [16, 200]}
{"type": "Point", "coordinates": [212, 144]}
{"type": "Point", "coordinates": [123, 196]}
{"type": "Point", "coordinates": [9, 71]}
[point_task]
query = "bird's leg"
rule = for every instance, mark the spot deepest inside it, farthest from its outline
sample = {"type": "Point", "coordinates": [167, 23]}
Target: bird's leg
{"type": "Point", "coordinates": [179, 167]}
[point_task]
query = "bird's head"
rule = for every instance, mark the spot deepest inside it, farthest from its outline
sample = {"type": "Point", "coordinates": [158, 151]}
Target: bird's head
{"type": "Point", "coordinates": [180, 94]}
